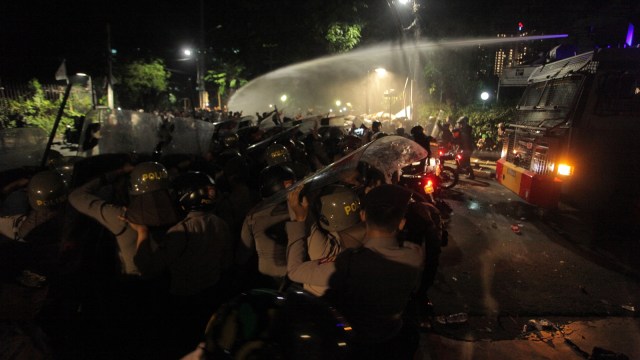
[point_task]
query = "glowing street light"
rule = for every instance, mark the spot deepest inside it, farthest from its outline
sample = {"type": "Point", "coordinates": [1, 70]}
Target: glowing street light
{"type": "Point", "coordinates": [338, 103]}
{"type": "Point", "coordinates": [484, 96]}
{"type": "Point", "coordinates": [187, 52]}
{"type": "Point", "coordinates": [283, 98]}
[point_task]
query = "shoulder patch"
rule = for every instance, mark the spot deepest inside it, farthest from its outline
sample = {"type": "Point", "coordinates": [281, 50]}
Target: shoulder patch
{"type": "Point", "coordinates": [327, 260]}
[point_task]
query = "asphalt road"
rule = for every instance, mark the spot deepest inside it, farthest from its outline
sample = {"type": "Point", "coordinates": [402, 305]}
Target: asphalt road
{"type": "Point", "coordinates": [550, 270]}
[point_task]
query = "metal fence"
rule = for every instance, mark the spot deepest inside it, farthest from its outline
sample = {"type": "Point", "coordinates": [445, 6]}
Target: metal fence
{"type": "Point", "coordinates": [21, 91]}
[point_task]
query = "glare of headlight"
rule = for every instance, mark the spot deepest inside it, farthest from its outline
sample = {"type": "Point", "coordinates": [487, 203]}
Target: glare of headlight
{"type": "Point", "coordinates": [381, 71]}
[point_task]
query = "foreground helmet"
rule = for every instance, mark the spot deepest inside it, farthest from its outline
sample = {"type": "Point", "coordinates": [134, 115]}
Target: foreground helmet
{"type": "Point", "coordinates": [226, 155]}
{"type": "Point", "coordinates": [277, 154]}
{"type": "Point", "coordinates": [46, 190]}
{"type": "Point", "coordinates": [463, 120]}
{"type": "Point", "coordinates": [339, 208]}
{"type": "Point", "coordinates": [275, 178]}
{"type": "Point", "coordinates": [195, 191]}
{"type": "Point", "coordinates": [230, 140]}
{"type": "Point", "coordinates": [349, 143]}
{"type": "Point", "coordinates": [148, 177]}
{"type": "Point", "coordinates": [267, 324]}
{"type": "Point", "coordinates": [369, 175]}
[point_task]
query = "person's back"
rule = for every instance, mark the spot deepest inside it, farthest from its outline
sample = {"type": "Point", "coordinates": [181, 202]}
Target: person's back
{"type": "Point", "coordinates": [196, 252]}
{"type": "Point", "coordinates": [374, 290]}
{"type": "Point", "coordinates": [371, 286]}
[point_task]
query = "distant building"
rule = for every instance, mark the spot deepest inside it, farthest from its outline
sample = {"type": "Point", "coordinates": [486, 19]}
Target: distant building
{"type": "Point", "coordinates": [510, 54]}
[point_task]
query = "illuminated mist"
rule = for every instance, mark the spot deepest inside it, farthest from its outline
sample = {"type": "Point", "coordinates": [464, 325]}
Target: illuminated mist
{"type": "Point", "coordinates": [317, 85]}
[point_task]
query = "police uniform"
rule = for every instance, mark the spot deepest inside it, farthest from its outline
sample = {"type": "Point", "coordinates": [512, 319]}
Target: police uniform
{"type": "Point", "coordinates": [34, 241]}
{"type": "Point", "coordinates": [85, 201]}
{"type": "Point", "coordinates": [196, 251]}
{"type": "Point", "coordinates": [327, 245]}
{"type": "Point", "coordinates": [260, 233]}
{"type": "Point", "coordinates": [317, 273]}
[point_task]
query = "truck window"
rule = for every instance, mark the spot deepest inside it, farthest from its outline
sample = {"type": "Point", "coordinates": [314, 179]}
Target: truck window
{"type": "Point", "coordinates": [557, 93]}
{"type": "Point", "coordinates": [560, 93]}
{"type": "Point", "coordinates": [532, 94]}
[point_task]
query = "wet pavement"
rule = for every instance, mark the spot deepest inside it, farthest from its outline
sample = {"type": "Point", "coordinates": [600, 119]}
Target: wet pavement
{"type": "Point", "coordinates": [510, 266]}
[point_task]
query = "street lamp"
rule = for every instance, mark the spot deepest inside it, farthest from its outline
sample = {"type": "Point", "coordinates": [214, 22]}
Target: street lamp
{"type": "Point", "coordinates": [484, 97]}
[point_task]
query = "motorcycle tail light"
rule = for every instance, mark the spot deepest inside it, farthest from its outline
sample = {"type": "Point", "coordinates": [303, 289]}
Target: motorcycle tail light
{"type": "Point", "coordinates": [459, 157]}
{"type": "Point", "coordinates": [428, 187]}
{"type": "Point", "coordinates": [440, 153]}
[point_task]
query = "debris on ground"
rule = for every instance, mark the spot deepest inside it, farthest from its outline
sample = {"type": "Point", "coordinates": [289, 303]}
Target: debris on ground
{"type": "Point", "coordinates": [629, 307]}
{"type": "Point", "coordinates": [516, 229]}
{"type": "Point", "coordinates": [459, 318]}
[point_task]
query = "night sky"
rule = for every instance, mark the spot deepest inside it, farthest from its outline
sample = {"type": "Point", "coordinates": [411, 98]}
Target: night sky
{"type": "Point", "coordinates": [36, 35]}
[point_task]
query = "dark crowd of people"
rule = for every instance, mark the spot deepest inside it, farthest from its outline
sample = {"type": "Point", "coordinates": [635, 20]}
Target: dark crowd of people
{"type": "Point", "coordinates": [131, 255]}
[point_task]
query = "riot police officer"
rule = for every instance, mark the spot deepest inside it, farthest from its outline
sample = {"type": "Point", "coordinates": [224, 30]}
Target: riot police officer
{"type": "Point", "coordinates": [35, 236]}
{"type": "Point", "coordinates": [263, 230]}
{"type": "Point", "coordinates": [197, 252]}
{"type": "Point", "coordinates": [336, 226]}
{"type": "Point", "coordinates": [150, 204]}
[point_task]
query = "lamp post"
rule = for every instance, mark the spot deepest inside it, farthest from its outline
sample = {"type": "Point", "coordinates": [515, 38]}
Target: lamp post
{"type": "Point", "coordinates": [415, 26]}
{"type": "Point", "coordinates": [380, 73]}
{"type": "Point", "coordinates": [203, 96]}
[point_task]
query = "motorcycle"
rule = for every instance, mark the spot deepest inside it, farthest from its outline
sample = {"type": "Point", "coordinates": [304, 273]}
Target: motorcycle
{"type": "Point", "coordinates": [461, 158]}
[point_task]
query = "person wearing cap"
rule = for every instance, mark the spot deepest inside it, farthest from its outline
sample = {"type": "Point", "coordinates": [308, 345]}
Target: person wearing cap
{"type": "Point", "coordinates": [371, 285]}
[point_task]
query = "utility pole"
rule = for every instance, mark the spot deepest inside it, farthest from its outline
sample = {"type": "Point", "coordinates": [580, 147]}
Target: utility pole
{"type": "Point", "coordinates": [416, 68]}
{"type": "Point", "coordinates": [203, 96]}
{"type": "Point", "coordinates": [110, 100]}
